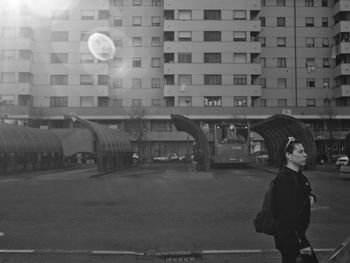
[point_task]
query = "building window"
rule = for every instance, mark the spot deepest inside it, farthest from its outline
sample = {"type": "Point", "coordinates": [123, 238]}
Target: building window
{"type": "Point", "coordinates": [102, 79]}
{"type": "Point", "coordinates": [212, 14]}
{"type": "Point", "coordinates": [86, 101]}
{"type": "Point", "coordinates": [281, 21]}
{"type": "Point", "coordinates": [310, 83]}
{"type": "Point", "coordinates": [325, 83]}
{"type": "Point", "coordinates": [212, 57]}
{"type": "Point", "coordinates": [155, 102]}
{"type": "Point", "coordinates": [169, 57]}
{"type": "Point", "coordinates": [8, 54]}
{"type": "Point", "coordinates": [239, 79]}
{"type": "Point", "coordinates": [262, 2]}
{"type": "Point", "coordinates": [281, 83]}
{"type": "Point", "coordinates": [263, 62]}
{"type": "Point", "coordinates": [136, 102]}
{"type": "Point", "coordinates": [239, 15]}
{"type": "Point", "coordinates": [116, 2]}
{"type": "Point", "coordinates": [25, 54]}
{"type": "Point", "coordinates": [136, 62]}
{"type": "Point", "coordinates": [87, 14]}
{"type": "Point", "coordinates": [169, 14]}
{"type": "Point", "coordinates": [185, 36]}
{"type": "Point", "coordinates": [136, 2]}
{"type": "Point", "coordinates": [185, 57]}
{"type": "Point", "coordinates": [117, 83]}
{"type": "Point", "coordinates": [118, 21]}
{"type": "Point", "coordinates": [262, 102]}
{"type": "Point", "coordinates": [282, 102]}
{"type": "Point", "coordinates": [86, 79]}
{"type": "Point", "coordinates": [309, 21]}
{"type": "Point", "coordinates": [59, 101]}
{"type": "Point", "coordinates": [262, 82]}
{"type": "Point", "coordinates": [25, 32]}
{"type": "Point", "coordinates": [156, 3]}
{"type": "Point", "coordinates": [185, 79]}
{"type": "Point", "coordinates": [310, 102]}
{"type": "Point", "coordinates": [281, 3]}
{"type": "Point", "coordinates": [59, 36]}
{"type": "Point", "coordinates": [309, 42]}
{"type": "Point", "coordinates": [309, 3]}
{"type": "Point", "coordinates": [212, 79]}
{"type": "Point", "coordinates": [136, 83]}
{"type": "Point", "coordinates": [155, 42]}
{"type": "Point", "coordinates": [169, 79]}
{"type": "Point", "coordinates": [169, 35]}
{"type": "Point", "coordinates": [25, 77]}
{"type": "Point", "coordinates": [136, 20]}
{"type": "Point", "coordinates": [310, 64]}
{"type": "Point", "coordinates": [86, 58]}
{"type": "Point", "coordinates": [240, 101]}
{"type": "Point", "coordinates": [281, 41]}
{"type": "Point", "coordinates": [103, 14]}
{"type": "Point", "coordinates": [60, 15]}
{"type": "Point", "coordinates": [8, 77]}
{"type": "Point", "coordinates": [324, 21]}
{"type": "Point", "coordinates": [84, 36]}
{"type": "Point", "coordinates": [185, 101]}
{"type": "Point", "coordinates": [136, 41]}
{"type": "Point", "coordinates": [239, 36]}
{"type": "Point", "coordinates": [59, 57]}
{"type": "Point", "coordinates": [324, 3]}
{"type": "Point", "coordinates": [7, 99]}
{"type": "Point", "coordinates": [281, 62]}
{"type": "Point", "coordinates": [325, 42]}
{"type": "Point", "coordinates": [155, 20]}
{"type": "Point", "coordinates": [59, 80]}
{"type": "Point", "coordinates": [185, 14]}
{"type": "Point", "coordinates": [118, 42]}
{"type": "Point", "coordinates": [102, 101]}
{"type": "Point", "coordinates": [117, 62]}
{"type": "Point", "coordinates": [240, 58]}
{"type": "Point", "coordinates": [155, 83]}
{"type": "Point", "coordinates": [117, 103]}
{"type": "Point", "coordinates": [212, 35]}
{"type": "Point", "coordinates": [212, 101]}
{"type": "Point", "coordinates": [262, 41]}
{"type": "Point", "coordinates": [262, 21]}
{"type": "Point", "coordinates": [155, 62]}
{"type": "Point", "coordinates": [326, 63]}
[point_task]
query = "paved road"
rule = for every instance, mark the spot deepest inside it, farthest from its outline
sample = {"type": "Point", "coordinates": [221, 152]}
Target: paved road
{"type": "Point", "coordinates": [153, 208]}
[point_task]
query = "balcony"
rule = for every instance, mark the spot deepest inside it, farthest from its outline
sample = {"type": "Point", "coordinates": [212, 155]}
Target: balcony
{"type": "Point", "coordinates": [342, 26]}
{"type": "Point", "coordinates": [341, 69]}
{"type": "Point", "coordinates": [344, 48]}
{"type": "Point", "coordinates": [15, 65]}
{"type": "Point", "coordinates": [15, 88]}
{"type": "Point", "coordinates": [342, 91]}
{"type": "Point", "coordinates": [212, 90]}
{"type": "Point", "coordinates": [341, 6]}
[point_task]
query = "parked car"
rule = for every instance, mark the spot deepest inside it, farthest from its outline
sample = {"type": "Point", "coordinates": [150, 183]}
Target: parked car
{"type": "Point", "coordinates": [84, 157]}
{"type": "Point", "coordinates": [344, 171]}
{"type": "Point", "coordinates": [172, 157]}
{"type": "Point", "coordinates": [342, 160]}
{"type": "Point", "coordinates": [260, 156]}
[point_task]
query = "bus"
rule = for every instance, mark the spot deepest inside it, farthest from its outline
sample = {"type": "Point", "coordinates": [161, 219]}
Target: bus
{"type": "Point", "coordinates": [231, 144]}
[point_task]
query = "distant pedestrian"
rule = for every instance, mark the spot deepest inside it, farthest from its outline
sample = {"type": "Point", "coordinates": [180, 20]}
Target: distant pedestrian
{"type": "Point", "coordinates": [292, 205]}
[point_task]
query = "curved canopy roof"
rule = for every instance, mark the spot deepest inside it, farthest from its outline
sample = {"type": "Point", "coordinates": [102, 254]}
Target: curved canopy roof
{"type": "Point", "coordinates": [109, 140]}
{"type": "Point", "coordinates": [184, 124]}
{"type": "Point", "coordinates": [20, 139]}
{"type": "Point", "coordinates": [279, 127]}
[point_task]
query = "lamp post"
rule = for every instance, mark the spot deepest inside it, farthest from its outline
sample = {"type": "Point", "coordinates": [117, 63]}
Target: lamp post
{"type": "Point", "coordinates": [188, 100]}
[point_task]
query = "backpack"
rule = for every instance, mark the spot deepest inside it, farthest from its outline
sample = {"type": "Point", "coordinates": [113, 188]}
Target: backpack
{"type": "Point", "coordinates": [265, 221]}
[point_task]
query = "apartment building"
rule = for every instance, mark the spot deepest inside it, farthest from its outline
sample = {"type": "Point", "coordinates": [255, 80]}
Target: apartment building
{"type": "Point", "coordinates": [208, 60]}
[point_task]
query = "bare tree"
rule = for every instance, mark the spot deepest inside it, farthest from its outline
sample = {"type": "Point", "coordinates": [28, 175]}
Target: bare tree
{"type": "Point", "coordinates": [138, 115]}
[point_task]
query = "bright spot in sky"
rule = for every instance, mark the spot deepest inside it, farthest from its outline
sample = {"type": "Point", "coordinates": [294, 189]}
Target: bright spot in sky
{"type": "Point", "coordinates": [101, 46]}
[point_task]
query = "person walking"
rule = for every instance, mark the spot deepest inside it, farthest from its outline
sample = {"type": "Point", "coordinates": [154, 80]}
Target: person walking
{"type": "Point", "coordinates": [292, 204]}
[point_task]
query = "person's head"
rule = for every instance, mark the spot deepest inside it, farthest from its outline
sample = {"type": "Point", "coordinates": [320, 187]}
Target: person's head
{"type": "Point", "coordinates": [292, 153]}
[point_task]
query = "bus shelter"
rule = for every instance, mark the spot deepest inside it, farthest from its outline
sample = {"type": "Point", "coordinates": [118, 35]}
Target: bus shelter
{"type": "Point", "coordinates": [277, 128]}
{"type": "Point", "coordinates": [23, 148]}
{"type": "Point", "coordinates": [113, 147]}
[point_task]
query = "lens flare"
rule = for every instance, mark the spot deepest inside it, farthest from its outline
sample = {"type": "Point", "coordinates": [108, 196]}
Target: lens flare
{"type": "Point", "coordinates": [101, 46]}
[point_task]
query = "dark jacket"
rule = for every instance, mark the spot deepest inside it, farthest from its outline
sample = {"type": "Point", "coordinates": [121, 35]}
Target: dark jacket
{"type": "Point", "coordinates": [291, 201]}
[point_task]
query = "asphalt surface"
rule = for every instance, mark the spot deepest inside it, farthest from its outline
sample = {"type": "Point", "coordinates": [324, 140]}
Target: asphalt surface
{"type": "Point", "coordinates": [147, 210]}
